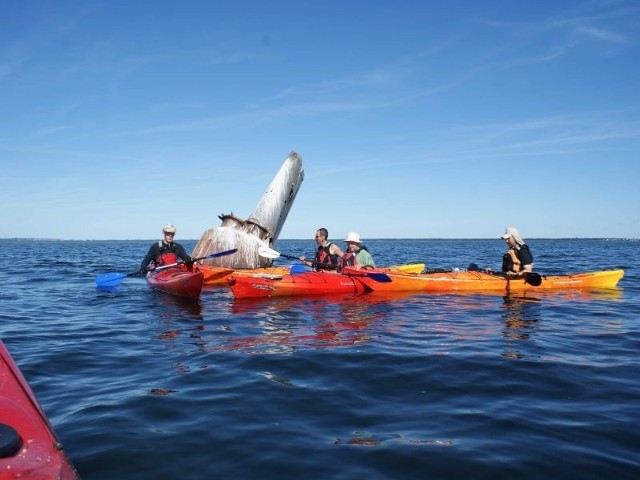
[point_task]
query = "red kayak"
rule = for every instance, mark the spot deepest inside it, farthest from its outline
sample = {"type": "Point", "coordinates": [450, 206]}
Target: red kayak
{"type": "Point", "coordinates": [307, 283]}
{"type": "Point", "coordinates": [178, 281]}
{"type": "Point", "coordinates": [29, 448]}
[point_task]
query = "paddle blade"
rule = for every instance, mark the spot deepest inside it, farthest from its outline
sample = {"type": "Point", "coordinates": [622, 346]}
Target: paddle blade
{"type": "Point", "coordinates": [379, 277]}
{"type": "Point", "coordinates": [109, 279]}
{"type": "Point", "coordinates": [297, 269]}
{"type": "Point", "coordinates": [376, 276]}
{"type": "Point", "coordinates": [267, 252]}
{"type": "Point", "coordinates": [533, 279]}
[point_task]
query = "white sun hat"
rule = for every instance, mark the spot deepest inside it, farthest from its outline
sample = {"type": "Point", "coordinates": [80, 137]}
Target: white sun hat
{"type": "Point", "coordinates": [168, 228]}
{"type": "Point", "coordinates": [512, 232]}
{"type": "Point", "coordinates": [352, 237]}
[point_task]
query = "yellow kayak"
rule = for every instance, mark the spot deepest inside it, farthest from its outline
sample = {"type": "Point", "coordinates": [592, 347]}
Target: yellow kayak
{"type": "Point", "coordinates": [408, 267]}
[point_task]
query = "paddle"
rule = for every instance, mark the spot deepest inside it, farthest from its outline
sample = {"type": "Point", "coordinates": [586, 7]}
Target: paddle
{"type": "Point", "coordinates": [211, 255]}
{"type": "Point", "coordinates": [532, 278]}
{"type": "Point", "coordinates": [267, 252]}
{"type": "Point", "coordinates": [112, 279]}
{"type": "Point", "coordinates": [297, 269]}
{"type": "Point", "coordinates": [377, 276]}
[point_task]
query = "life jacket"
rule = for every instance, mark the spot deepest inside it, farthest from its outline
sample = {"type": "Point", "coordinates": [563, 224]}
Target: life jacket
{"type": "Point", "coordinates": [349, 259]}
{"type": "Point", "coordinates": [324, 259]}
{"type": "Point", "coordinates": [511, 262]}
{"type": "Point", "coordinates": [167, 254]}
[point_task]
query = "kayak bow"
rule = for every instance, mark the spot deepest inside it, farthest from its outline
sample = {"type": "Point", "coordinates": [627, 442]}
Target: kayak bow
{"type": "Point", "coordinates": [29, 447]}
{"type": "Point", "coordinates": [178, 281]}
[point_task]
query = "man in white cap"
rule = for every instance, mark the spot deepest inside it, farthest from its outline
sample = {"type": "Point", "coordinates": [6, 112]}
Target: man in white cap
{"type": "Point", "coordinates": [518, 260]}
{"type": "Point", "coordinates": [165, 252]}
{"type": "Point", "coordinates": [357, 255]}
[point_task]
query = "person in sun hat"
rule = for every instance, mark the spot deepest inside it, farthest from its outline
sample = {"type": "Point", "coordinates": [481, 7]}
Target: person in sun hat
{"type": "Point", "coordinates": [518, 259]}
{"type": "Point", "coordinates": [356, 255]}
{"type": "Point", "coordinates": [165, 252]}
{"type": "Point", "coordinates": [327, 254]}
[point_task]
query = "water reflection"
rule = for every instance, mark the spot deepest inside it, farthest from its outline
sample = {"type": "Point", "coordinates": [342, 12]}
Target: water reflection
{"type": "Point", "coordinates": [284, 325]}
{"type": "Point", "coordinates": [520, 314]}
{"type": "Point", "coordinates": [174, 312]}
{"type": "Point", "coordinates": [180, 308]}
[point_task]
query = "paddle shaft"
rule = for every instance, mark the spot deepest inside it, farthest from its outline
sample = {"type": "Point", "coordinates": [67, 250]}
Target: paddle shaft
{"type": "Point", "coordinates": [112, 279]}
{"type": "Point", "coordinates": [313, 262]}
{"type": "Point", "coordinates": [194, 260]}
{"type": "Point", "coordinates": [531, 278]}
{"type": "Point", "coordinates": [270, 253]}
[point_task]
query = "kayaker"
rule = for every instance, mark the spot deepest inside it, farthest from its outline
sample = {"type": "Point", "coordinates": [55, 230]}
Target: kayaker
{"type": "Point", "coordinates": [357, 255]}
{"type": "Point", "coordinates": [165, 252]}
{"type": "Point", "coordinates": [327, 255]}
{"type": "Point", "coordinates": [518, 260]}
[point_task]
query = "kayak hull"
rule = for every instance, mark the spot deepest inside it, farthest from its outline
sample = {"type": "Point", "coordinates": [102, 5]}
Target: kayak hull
{"type": "Point", "coordinates": [466, 281]}
{"type": "Point", "coordinates": [307, 283]}
{"type": "Point", "coordinates": [217, 276]}
{"type": "Point", "coordinates": [29, 447]}
{"type": "Point", "coordinates": [178, 281]}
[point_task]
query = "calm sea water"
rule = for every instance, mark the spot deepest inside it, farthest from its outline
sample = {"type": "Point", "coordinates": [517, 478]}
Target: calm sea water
{"type": "Point", "coordinates": [139, 385]}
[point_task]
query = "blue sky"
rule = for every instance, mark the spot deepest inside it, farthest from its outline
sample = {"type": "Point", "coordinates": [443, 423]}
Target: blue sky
{"type": "Point", "coordinates": [414, 119]}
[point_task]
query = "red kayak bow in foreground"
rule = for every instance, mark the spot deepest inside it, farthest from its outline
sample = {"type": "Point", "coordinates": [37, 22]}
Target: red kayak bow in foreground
{"type": "Point", "coordinates": [29, 447]}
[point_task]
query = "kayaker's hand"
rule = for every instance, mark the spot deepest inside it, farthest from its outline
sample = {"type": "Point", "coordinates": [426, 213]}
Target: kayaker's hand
{"type": "Point", "coordinates": [189, 262]}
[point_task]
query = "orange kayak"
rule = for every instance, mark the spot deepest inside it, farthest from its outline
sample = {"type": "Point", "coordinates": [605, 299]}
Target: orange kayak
{"type": "Point", "coordinates": [29, 448]}
{"type": "Point", "coordinates": [178, 281]}
{"type": "Point", "coordinates": [217, 276]}
{"type": "Point", "coordinates": [470, 281]}
{"type": "Point", "coordinates": [307, 283]}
